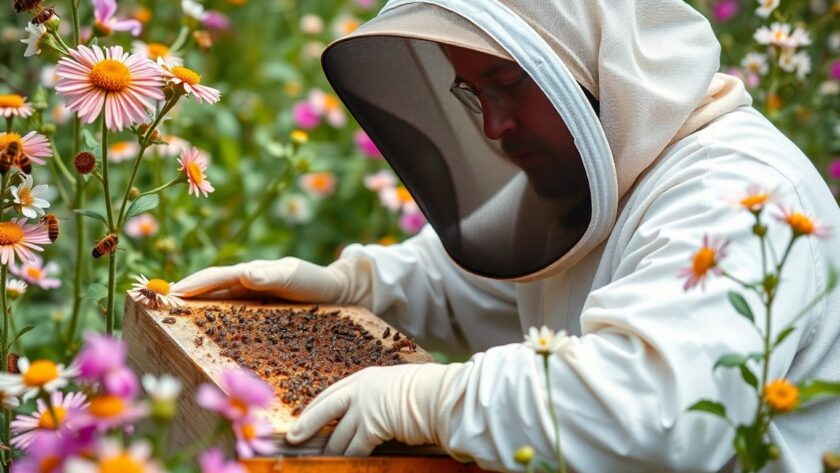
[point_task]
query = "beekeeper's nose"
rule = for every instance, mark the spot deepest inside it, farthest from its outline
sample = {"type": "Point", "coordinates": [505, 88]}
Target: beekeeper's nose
{"type": "Point", "coordinates": [497, 119]}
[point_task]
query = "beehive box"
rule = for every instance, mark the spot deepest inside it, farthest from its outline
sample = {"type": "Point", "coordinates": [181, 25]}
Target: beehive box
{"type": "Point", "coordinates": [163, 342]}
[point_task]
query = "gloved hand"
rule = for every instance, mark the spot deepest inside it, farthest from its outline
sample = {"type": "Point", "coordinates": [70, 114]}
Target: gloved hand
{"type": "Point", "coordinates": [376, 404]}
{"type": "Point", "coordinates": [288, 278]}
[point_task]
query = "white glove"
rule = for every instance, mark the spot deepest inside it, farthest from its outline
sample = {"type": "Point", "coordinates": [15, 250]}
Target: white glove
{"type": "Point", "coordinates": [288, 278]}
{"type": "Point", "coordinates": [376, 404]}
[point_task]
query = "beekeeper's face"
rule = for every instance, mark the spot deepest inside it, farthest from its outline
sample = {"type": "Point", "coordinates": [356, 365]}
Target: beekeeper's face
{"type": "Point", "coordinates": [517, 112]}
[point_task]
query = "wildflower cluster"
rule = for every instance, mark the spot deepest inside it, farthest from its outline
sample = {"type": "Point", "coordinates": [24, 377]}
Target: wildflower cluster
{"type": "Point", "coordinates": [774, 396]}
{"type": "Point", "coordinates": [92, 428]}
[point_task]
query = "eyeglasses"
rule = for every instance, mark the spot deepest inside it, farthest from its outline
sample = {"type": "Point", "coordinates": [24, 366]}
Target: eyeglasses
{"type": "Point", "coordinates": [504, 95]}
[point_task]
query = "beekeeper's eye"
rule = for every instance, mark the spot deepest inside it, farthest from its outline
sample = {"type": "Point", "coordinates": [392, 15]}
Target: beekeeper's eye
{"type": "Point", "coordinates": [502, 91]}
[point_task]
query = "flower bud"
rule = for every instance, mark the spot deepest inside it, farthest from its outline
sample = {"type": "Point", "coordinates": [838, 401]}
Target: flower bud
{"type": "Point", "coordinates": [84, 162]}
{"type": "Point", "coordinates": [523, 455]}
{"type": "Point", "coordinates": [831, 462]}
{"type": "Point", "coordinates": [163, 409]}
{"type": "Point", "coordinates": [299, 136]}
{"type": "Point", "coordinates": [203, 39]}
{"type": "Point", "coordinates": [759, 229]}
{"type": "Point", "coordinates": [144, 128]}
{"type": "Point", "coordinates": [773, 452]}
{"type": "Point", "coordinates": [133, 194]}
{"type": "Point", "coordinates": [48, 129]}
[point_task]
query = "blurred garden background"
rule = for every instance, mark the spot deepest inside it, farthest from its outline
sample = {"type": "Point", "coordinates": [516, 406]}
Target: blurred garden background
{"type": "Point", "coordinates": [292, 171]}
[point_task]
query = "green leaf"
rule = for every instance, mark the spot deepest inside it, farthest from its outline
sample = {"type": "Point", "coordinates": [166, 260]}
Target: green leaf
{"type": "Point", "coordinates": [832, 279]}
{"type": "Point", "coordinates": [731, 360]}
{"type": "Point", "coordinates": [22, 331]}
{"type": "Point", "coordinates": [815, 388]}
{"type": "Point", "coordinates": [96, 292]}
{"type": "Point", "coordinates": [711, 407]}
{"type": "Point", "coordinates": [90, 140]}
{"type": "Point", "coordinates": [748, 376]}
{"type": "Point", "coordinates": [92, 214]}
{"type": "Point", "coordinates": [740, 305]}
{"type": "Point", "coordinates": [783, 335]}
{"type": "Point", "coordinates": [143, 204]}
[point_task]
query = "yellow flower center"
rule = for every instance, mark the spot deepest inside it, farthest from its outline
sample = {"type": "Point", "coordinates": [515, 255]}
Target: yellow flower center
{"type": "Point", "coordinates": [7, 138]}
{"type": "Point", "coordinates": [110, 75]}
{"type": "Point", "coordinates": [403, 195]}
{"type": "Point", "coordinates": [753, 202]}
{"type": "Point", "coordinates": [121, 463]}
{"type": "Point", "coordinates": [106, 405]}
{"type": "Point", "coordinates": [156, 50]}
{"type": "Point", "coordinates": [387, 240]}
{"type": "Point", "coordinates": [348, 26]}
{"type": "Point", "coordinates": [542, 342]}
{"type": "Point", "coordinates": [10, 234]}
{"type": "Point", "coordinates": [188, 76]}
{"type": "Point", "coordinates": [331, 102]}
{"type": "Point", "coordinates": [704, 260]}
{"type": "Point", "coordinates": [143, 15]}
{"type": "Point", "coordinates": [48, 422]}
{"type": "Point", "coordinates": [147, 227]}
{"type": "Point", "coordinates": [11, 101]}
{"type": "Point", "coordinates": [120, 146]}
{"type": "Point", "coordinates": [800, 223]}
{"type": "Point", "coordinates": [781, 395]}
{"type": "Point", "coordinates": [25, 196]}
{"type": "Point", "coordinates": [299, 136]}
{"type": "Point", "coordinates": [194, 172]}
{"type": "Point", "coordinates": [40, 373]}
{"type": "Point", "coordinates": [34, 273]}
{"type": "Point", "coordinates": [49, 463]}
{"type": "Point", "coordinates": [321, 181]}
{"type": "Point", "coordinates": [239, 405]}
{"type": "Point", "coordinates": [249, 432]}
{"type": "Point", "coordinates": [778, 35]}
{"type": "Point", "coordinates": [158, 286]}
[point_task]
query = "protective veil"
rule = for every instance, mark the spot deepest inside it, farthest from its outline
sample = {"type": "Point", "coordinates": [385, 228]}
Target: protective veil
{"type": "Point", "coordinates": [673, 139]}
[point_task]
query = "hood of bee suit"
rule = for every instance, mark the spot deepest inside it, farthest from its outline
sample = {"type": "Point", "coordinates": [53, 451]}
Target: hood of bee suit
{"type": "Point", "coordinates": [651, 64]}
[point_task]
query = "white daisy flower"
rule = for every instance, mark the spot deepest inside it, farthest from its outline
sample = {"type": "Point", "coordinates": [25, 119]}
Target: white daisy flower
{"type": "Point", "coordinates": [35, 40]}
{"type": "Point", "coordinates": [830, 87]}
{"type": "Point", "coordinates": [9, 401]}
{"type": "Point", "coordinates": [155, 292]}
{"type": "Point", "coordinates": [755, 63]}
{"type": "Point", "coordinates": [777, 34]}
{"type": "Point", "coordinates": [295, 208]}
{"type": "Point", "coordinates": [799, 37]}
{"type": "Point", "coordinates": [802, 64]}
{"type": "Point", "coordinates": [311, 24]}
{"type": "Point", "coordinates": [193, 9]}
{"type": "Point", "coordinates": [39, 375]}
{"type": "Point", "coordinates": [766, 7]}
{"type": "Point", "coordinates": [48, 77]}
{"type": "Point", "coordinates": [163, 389]}
{"type": "Point", "coordinates": [29, 200]}
{"type": "Point", "coordinates": [15, 288]}
{"type": "Point", "coordinates": [27, 427]}
{"type": "Point", "coordinates": [543, 340]}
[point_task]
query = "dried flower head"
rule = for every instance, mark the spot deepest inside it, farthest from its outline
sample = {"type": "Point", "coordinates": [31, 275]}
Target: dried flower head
{"type": "Point", "coordinates": [84, 162]}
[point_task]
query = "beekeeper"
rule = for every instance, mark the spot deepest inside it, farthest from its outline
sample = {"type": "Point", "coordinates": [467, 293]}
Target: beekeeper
{"type": "Point", "coordinates": [569, 157]}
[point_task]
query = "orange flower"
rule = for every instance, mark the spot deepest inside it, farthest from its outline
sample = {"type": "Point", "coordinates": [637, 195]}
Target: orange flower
{"type": "Point", "coordinates": [704, 261]}
{"type": "Point", "coordinates": [781, 395]}
{"type": "Point", "coordinates": [755, 199]}
{"type": "Point", "coordinates": [802, 224]}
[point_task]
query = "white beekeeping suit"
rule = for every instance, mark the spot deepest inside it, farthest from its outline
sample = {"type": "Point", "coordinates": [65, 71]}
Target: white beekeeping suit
{"type": "Point", "coordinates": [671, 141]}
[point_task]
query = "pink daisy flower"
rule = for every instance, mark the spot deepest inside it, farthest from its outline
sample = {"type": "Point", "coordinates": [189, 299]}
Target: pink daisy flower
{"type": "Point", "coordinates": [245, 391]}
{"type": "Point", "coordinates": [706, 260]}
{"type": "Point", "coordinates": [26, 428]}
{"type": "Point", "coordinates": [104, 10]}
{"type": "Point", "coordinates": [141, 226]}
{"type": "Point", "coordinates": [103, 360]}
{"type": "Point", "coordinates": [14, 105]}
{"type": "Point", "coordinates": [190, 81]}
{"type": "Point", "coordinates": [47, 454]}
{"type": "Point", "coordinates": [194, 164]}
{"type": "Point", "coordinates": [123, 151]}
{"type": "Point", "coordinates": [412, 220]}
{"type": "Point", "coordinates": [19, 238]}
{"type": "Point", "coordinates": [35, 272]}
{"type": "Point", "coordinates": [802, 224]}
{"type": "Point", "coordinates": [34, 146]}
{"type": "Point", "coordinates": [124, 85]}
{"type": "Point", "coordinates": [305, 115]}
{"type": "Point", "coordinates": [252, 437]}
{"type": "Point", "coordinates": [213, 461]}
{"type": "Point", "coordinates": [366, 145]}
{"type": "Point", "coordinates": [319, 184]}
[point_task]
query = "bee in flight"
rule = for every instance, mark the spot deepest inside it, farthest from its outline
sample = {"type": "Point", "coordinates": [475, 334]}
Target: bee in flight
{"type": "Point", "coordinates": [51, 221]}
{"type": "Point", "coordinates": [105, 246]}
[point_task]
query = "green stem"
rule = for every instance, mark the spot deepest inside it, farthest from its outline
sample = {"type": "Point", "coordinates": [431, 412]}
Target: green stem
{"type": "Point", "coordinates": [59, 44]}
{"type": "Point", "coordinates": [112, 287]}
{"type": "Point", "coordinates": [60, 164]}
{"type": "Point", "coordinates": [9, 120]}
{"type": "Point", "coordinates": [106, 186]}
{"type": "Point", "coordinates": [171, 183]}
{"type": "Point", "coordinates": [560, 463]}
{"type": "Point", "coordinates": [180, 40]}
{"type": "Point", "coordinates": [74, 8]}
{"type": "Point", "coordinates": [5, 349]}
{"type": "Point", "coordinates": [80, 236]}
{"type": "Point", "coordinates": [59, 184]}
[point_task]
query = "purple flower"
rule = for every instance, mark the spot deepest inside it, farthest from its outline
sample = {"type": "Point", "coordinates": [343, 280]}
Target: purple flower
{"type": "Point", "coordinates": [244, 389]}
{"type": "Point", "coordinates": [834, 70]}
{"type": "Point", "coordinates": [102, 360]}
{"type": "Point", "coordinates": [252, 437]}
{"type": "Point", "coordinates": [305, 115]}
{"type": "Point", "coordinates": [834, 168]}
{"type": "Point", "coordinates": [216, 20]}
{"type": "Point", "coordinates": [213, 461]}
{"type": "Point", "coordinates": [27, 428]}
{"type": "Point", "coordinates": [365, 3]}
{"type": "Point", "coordinates": [104, 11]}
{"type": "Point", "coordinates": [366, 146]}
{"type": "Point", "coordinates": [412, 221]}
{"type": "Point", "coordinates": [724, 10]}
{"type": "Point", "coordinates": [48, 453]}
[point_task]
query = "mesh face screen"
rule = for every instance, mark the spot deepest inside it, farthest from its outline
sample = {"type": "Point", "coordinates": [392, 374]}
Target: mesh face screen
{"type": "Point", "coordinates": [504, 204]}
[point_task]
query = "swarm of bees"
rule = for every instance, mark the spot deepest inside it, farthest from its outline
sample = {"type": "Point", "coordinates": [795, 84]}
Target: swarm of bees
{"type": "Point", "coordinates": [105, 246]}
{"type": "Point", "coordinates": [12, 155]}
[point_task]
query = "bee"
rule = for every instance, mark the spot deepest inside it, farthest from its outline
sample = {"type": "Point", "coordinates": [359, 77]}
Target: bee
{"type": "Point", "coordinates": [405, 343]}
{"type": "Point", "coordinates": [152, 300]}
{"type": "Point", "coordinates": [9, 156]}
{"type": "Point", "coordinates": [25, 5]}
{"type": "Point", "coordinates": [23, 163]}
{"type": "Point", "coordinates": [105, 246]}
{"type": "Point", "coordinates": [180, 311]}
{"type": "Point", "coordinates": [198, 341]}
{"type": "Point", "coordinates": [12, 363]}
{"type": "Point", "coordinates": [51, 221]}
{"type": "Point", "coordinates": [44, 16]}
